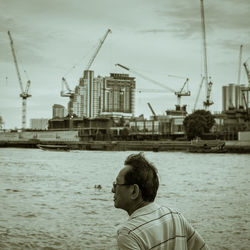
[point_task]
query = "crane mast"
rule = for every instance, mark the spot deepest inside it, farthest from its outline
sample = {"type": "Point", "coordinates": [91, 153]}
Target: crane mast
{"type": "Point", "coordinates": [247, 72]}
{"type": "Point", "coordinates": [24, 93]}
{"type": "Point", "coordinates": [239, 71]}
{"type": "Point", "coordinates": [69, 94]}
{"type": "Point", "coordinates": [98, 49]}
{"type": "Point", "coordinates": [208, 102]}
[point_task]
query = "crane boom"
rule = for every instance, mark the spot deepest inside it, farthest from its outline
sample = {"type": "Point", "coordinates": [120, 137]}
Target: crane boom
{"type": "Point", "coordinates": [146, 78]}
{"type": "Point", "coordinates": [208, 102]}
{"type": "Point", "coordinates": [198, 94]}
{"type": "Point", "coordinates": [179, 94]}
{"type": "Point", "coordinates": [98, 49]}
{"type": "Point", "coordinates": [247, 72]}
{"type": "Point", "coordinates": [66, 84]}
{"type": "Point", "coordinates": [153, 112]}
{"type": "Point", "coordinates": [24, 93]}
{"type": "Point", "coordinates": [15, 61]}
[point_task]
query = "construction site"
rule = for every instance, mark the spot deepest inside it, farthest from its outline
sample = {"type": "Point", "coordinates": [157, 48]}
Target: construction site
{"type": "Point", "coordinates": [102, 108]}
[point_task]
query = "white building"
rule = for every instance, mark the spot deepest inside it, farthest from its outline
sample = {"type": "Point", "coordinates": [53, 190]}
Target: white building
{"type": "Point", "coordinates": [232, 96]}
{"type": "Point", "coordinates": [58, 111]}
{"type": "Point", "coordinates": [39, 124]}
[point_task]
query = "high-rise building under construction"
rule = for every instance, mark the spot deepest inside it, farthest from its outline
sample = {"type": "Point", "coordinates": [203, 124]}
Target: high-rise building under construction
{"type": "Point", "coordinates": [111, 95]}
{"type": "Point", "coordinates": [118, 95]}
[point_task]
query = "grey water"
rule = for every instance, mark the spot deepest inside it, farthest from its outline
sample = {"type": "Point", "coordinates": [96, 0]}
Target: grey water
{"type": "Point", "coordinates": [48, 200]}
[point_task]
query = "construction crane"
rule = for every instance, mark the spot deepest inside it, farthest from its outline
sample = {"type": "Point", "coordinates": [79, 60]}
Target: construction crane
{"type": "Point", "coordinates": [153, 112]}
{"type": "Point", "coordinates": [198, 94]}
{"type": "Point", "coordinates": [246, 89]}
{"type": "Point", "coordinates": [97, 49]}
{"type": "Point", "coordinates": [239, 71]}
{"type": "Point", "coordinates": [247, 72]}
{"type": "Point", "coordinates": [207, 102]}
{"type": "Point", "coordinates": [69, 94]}
{"type": "Point", "coordinates": [177, 93]}
{"type": "Point", "coordinates": [24, 92]}
{"type": "Point", "coordinates": [180, 93]}
{"type": "Point", "coordinates": [151, 91]}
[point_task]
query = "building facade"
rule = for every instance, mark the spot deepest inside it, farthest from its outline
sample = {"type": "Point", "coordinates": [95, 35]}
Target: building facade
{"type": "Point", "coordinates": [86, 101]}
{"type": "Point", "coordinates": [39, 124]}
{"type": "Point", "coordinates": [118, 95]}
{"type": "Point", "coordinates": [103, 96]}
{"type": "Point", "coordinates": [232, 97]}
{"type": "Point", "coordinates": [58, 111]}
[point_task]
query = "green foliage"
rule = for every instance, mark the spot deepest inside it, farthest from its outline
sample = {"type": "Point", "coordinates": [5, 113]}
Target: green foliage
{"type": "Point", "coordinates": [198, 123]}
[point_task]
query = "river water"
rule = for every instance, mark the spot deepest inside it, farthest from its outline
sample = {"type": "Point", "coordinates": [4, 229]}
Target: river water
{"type": "Point", "coordinates": [48, 199]}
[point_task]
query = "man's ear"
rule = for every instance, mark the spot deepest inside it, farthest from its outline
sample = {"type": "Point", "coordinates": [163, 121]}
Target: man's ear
{"type": "Point", "coordinates": [135, 191]}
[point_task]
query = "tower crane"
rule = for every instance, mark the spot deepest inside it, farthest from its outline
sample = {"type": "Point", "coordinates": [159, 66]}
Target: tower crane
{"type": "Point", "coordinates": [152, 110]}
{"type": "Point", "coordinates": [24, 92]}
{"type": "Point", "coordinates": [179, 94]}
{"type": "Point", "coordinates": [246, 89]}
{"type": "Point", "coordinates": [207, 102]}
{"type": "Point", "coordinates": [247, 72]}
{"type": "Point", "coordinates": [198, 94]}
{"type": "Point", "coordinates": [97, 49]}
{"type": "Point", "coordinates": [239, 70]}
{"type": "Point", "coordinates": [69, 94]}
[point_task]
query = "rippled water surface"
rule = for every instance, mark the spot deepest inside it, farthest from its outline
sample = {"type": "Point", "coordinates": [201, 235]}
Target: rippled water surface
{"type": "Point", "coordinates": [48, 199]}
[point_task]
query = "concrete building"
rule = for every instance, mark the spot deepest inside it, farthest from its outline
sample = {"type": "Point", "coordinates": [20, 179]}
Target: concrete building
{"type": "Point", "coordinates": [39, 124]}
{"type": "Point", "coordinates": [58, 111]}
{"type": "Point", "coordinates": [86, 101]}
{"type": "Point", "coordinates": [118, 94]}
{"type": "Point", "coordinates": [232, 97]}
{"type": "Point", "coordinates": [111, 96]}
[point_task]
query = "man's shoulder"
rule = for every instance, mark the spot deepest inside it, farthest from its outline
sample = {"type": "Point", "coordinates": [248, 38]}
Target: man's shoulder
{"type": "Point", "coordinates": [150, 214]}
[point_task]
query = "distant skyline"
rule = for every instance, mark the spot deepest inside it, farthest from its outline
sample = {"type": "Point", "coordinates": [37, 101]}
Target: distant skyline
{"type": "Point", "coordinates": [57, 38]}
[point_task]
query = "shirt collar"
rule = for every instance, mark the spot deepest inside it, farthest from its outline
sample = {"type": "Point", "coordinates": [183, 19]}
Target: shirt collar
{"type": "Point", "coordinates": [144, 210]}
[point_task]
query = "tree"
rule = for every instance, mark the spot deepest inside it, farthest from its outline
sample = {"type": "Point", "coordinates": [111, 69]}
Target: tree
{"type": "Point", "coordinates": [198, 123]}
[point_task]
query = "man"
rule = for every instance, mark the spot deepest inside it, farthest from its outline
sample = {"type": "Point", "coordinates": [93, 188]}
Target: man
{"type": "Point", "coordinates": [150, 226]}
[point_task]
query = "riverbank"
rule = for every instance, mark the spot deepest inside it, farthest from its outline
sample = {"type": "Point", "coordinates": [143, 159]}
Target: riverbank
{"type": "Point", "coordinates": [155, 146]}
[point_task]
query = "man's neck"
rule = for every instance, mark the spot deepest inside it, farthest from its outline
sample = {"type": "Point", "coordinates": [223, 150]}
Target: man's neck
{"type": "Point", "coordinates": [138, 205]}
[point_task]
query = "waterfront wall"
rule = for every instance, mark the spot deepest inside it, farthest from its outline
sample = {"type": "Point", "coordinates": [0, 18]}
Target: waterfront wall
{"type": "Point", "coordinates": [71, 138]}
{"type": "Point", "coordinates": [244, 136]}
{"type": "Point", "coordinates": [55, 136]}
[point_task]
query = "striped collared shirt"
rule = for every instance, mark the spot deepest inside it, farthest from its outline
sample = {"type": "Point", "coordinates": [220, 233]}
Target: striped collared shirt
{"type": "Point", "coordinates": [156, 227]}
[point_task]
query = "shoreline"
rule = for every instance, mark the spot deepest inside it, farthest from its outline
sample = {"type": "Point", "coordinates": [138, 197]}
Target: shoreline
{"type": "Point", "coordinates": [155, 146]}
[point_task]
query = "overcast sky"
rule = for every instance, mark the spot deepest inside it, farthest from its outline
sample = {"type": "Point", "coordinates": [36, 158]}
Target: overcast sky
{"type": "Point", "coordinates": [56, 38]}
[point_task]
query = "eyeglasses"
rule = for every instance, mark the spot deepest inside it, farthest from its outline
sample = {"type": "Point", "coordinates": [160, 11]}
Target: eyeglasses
{"type": "Point", "coordinates": [118, 184]}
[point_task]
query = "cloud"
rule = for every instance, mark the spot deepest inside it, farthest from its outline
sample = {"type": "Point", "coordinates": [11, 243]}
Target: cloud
{"type": "Point", "coordinates": [184, 18]}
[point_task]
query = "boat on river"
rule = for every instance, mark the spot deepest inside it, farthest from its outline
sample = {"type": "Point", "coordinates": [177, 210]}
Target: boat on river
{"type": "Point", "coordinates": [49, 147]}
{"type": "Point", "coordinates": [205, 147]}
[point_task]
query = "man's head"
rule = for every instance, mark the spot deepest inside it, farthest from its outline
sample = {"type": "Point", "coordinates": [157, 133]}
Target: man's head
{"type": "Point", "coordinates": [136, 182]}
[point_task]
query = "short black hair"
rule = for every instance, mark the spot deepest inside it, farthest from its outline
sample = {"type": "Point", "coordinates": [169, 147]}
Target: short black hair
{"type": "Point", "coordinates": [144, 174]}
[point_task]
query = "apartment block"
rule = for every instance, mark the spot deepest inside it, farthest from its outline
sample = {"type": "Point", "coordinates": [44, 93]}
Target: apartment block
{"type": "Point", "coordinates": [118, 94]}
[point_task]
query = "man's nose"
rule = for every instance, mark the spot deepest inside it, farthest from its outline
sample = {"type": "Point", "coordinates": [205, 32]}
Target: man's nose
{"type": "Point", "coordinates": [113, 190]}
